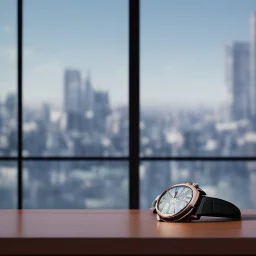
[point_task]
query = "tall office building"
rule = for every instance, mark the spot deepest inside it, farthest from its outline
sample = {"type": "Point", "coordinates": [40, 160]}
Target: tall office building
{"type": "Point", "coordinates": [11, 104]}
{"type": "Point", "coordinates": [88, 99]}
{"type": "Point", "coordinates": [238, 80]}
{"type": "Point", "coordinates": [88, 105]}
{"type": "Point", "coordinates": [72, 98]}
{"type": "Point", "coordinates": [253, 69]}
{"type": "Point", "coordinates": [102, 110]}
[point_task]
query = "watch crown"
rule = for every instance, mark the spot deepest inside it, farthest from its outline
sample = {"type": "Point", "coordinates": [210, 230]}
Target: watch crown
{"type": "Point", "coordinates": [195, 185]}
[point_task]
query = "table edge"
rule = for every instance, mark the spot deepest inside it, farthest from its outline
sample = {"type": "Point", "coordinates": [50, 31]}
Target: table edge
{"type": "Point", "coordinates": [128, 246]}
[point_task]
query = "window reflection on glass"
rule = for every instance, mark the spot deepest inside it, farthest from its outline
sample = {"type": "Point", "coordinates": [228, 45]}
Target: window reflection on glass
{"type": "Point", "coordinates": [75, 78]}
{"type": "Point", "coordinates": [75, 185]}
{"type": "Point", "coordinates": [198, 78]}
{"type": "Point", "coordinates": [234, 181]}
{"type": "Point", "coordinates": [8, 185]}
{"type": "Point", "coordinates": [8, 78]}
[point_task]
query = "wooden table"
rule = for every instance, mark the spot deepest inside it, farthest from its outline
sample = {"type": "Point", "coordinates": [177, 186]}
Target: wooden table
{"type": "Point", "coordinates": [73, 232]}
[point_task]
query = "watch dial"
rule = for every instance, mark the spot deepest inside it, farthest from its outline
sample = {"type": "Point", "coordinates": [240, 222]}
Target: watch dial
{"type": "Point", "coordinates": [175, 199]}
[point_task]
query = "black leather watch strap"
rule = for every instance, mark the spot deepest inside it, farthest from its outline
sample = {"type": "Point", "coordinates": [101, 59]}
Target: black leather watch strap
{"type": "Point", "coordinates": [215, 207]}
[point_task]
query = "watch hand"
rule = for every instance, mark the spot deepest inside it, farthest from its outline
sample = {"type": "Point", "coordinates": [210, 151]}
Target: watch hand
{"type": "Point", "coordinates": [175, 192]}
{"type": "Point", "coordinates": [169, 195]}
{"type": "Point", "coordinates": [180, 191]}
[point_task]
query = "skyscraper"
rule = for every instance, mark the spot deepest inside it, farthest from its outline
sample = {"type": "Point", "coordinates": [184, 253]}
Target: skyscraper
{"type": "Point", "coordinates": [88, 104]}
{"type": "Point", "coordinates": [102, 110]}
{"type": "Point", "coordinates": [11, 104]}
{"type": "Point", "coordinates": [253, 68]}
{"type": "Point", "coordinates": [238, 80]}
{"type": "Point", "coordinates": [88, 99]}
{"type": "Point", "coordinates": [72, 98]}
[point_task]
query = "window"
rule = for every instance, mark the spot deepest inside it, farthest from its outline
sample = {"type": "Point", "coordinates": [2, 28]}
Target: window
{"type": "Point", "coordinates": [195, 78]}
{"type": "Point", "coordinates": [198, 96]}
{"type": "Point", "coordinates": [75, 184]}
{"type": "Point", "coordinates": [75, 78]}
{"type": "Point", "coordinates": [71, 60]}
{"type": "Point", "coordinates": [8, 185]}
{"type": "Point", "coordinates": [119, 99]}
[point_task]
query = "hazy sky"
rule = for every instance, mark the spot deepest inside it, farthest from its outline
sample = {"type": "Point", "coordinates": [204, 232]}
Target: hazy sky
{"type": "Point", "coordinates": [8, 66]}
{"type": "Point", "coordinates": [182, 47]}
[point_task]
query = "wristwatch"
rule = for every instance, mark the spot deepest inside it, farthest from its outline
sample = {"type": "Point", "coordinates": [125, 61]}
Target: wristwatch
{"type": "Point", "coordinates": [187, 202]}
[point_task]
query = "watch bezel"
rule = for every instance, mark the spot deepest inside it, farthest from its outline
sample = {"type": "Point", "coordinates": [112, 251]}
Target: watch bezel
{"type": "Point", "coordinates": [184, 213]}
{"type": "Point", "coordinates": [153, 206]}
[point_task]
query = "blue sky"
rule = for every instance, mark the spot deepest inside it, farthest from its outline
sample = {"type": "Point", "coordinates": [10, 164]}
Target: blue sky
{"type": "Point", "coordinates": [182, 47]}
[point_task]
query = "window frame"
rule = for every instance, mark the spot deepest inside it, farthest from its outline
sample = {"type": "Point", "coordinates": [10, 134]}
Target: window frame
{"type": "Point", "coordinates": [133, 158]}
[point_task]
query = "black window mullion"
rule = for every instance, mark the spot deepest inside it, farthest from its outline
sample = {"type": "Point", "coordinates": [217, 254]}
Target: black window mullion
{"type": "Point", "coordinates": [134, 112]}
{"type": "Point", "coordinates": [74, 158]}
{"type": "Point", "coordinates": [194, 158]}
{"type": "Point", "coordinates": [19, 81]}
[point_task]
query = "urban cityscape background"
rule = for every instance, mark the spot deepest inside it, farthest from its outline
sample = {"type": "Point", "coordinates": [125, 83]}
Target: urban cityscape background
{"type": "Point", "coordinates": [87, 117]}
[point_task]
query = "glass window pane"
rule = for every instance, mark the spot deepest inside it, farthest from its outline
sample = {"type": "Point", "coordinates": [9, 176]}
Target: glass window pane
{"type": "Point", "coordinates": [75, 185]}
{"type": "Point", "coordinates": [198, 78]}
{"type": "Point", "coordinates": [8, 78]}
{"type": "Point", "coordinates": [75, 78]}
{"type": "Point", "coordinates": [8, 185]}
{"type": "Point", "coordinates": [234, 181]}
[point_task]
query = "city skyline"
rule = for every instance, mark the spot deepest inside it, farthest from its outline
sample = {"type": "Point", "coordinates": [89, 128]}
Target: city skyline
{"type": "Point", "coordinates": [168, 54]}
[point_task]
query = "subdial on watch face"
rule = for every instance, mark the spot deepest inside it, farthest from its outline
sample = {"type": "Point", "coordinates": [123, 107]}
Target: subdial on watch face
{"type": "Point", "coordinates": [175, 199]}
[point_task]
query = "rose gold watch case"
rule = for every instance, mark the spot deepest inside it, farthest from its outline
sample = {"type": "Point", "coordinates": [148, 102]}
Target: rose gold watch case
{"type": "Point", "coordinates": [186, 213]}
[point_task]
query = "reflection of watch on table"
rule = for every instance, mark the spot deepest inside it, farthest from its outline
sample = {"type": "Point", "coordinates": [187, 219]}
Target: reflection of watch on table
{"type": "Point", "coordinates": [187, 202]}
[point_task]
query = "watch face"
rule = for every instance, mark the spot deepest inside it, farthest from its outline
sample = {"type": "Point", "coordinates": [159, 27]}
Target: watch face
{"type": "Point", "coordinates": [175, 199]}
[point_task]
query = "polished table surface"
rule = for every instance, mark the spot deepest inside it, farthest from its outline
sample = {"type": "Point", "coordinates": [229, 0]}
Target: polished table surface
{"type": "Point", "coordinates": [117, 232]}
